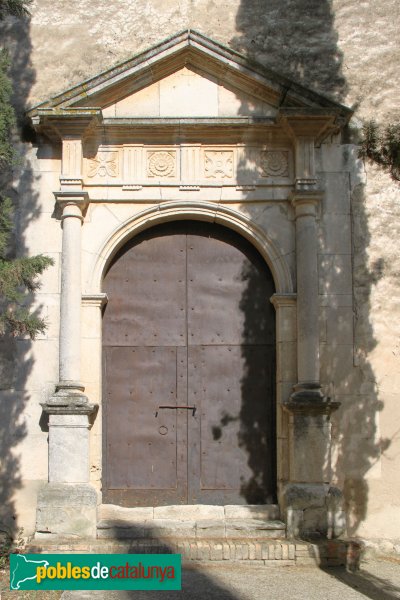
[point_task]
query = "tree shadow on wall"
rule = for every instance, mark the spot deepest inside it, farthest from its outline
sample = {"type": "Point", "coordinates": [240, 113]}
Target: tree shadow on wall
{"type": "Point", "coordinates": [298, 39]}
{"type": "Point", "coordinates": [21, 385]}
{"type": "Point", "coordinates": [256, 417]}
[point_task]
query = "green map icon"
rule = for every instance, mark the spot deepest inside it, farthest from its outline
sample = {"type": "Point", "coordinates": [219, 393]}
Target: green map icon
{"type": "Point", "coordinates": [23, 569]}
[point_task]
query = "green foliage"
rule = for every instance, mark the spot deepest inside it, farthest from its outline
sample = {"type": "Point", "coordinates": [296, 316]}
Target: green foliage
{"type": "Point", "coordinates": [18, 276]}
{"type": "Point", "coordinates": [7, 116]}
{"type": "Point", "coordinates": [9, 546]}
{"type": "Point", "coordinates": [17, 8]}
{"type": "Point", "coordinates": [382, 146]}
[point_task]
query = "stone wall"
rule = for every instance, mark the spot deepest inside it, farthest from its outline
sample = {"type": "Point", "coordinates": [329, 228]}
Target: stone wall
{"type": "Point", "coordinates": [346, 50]}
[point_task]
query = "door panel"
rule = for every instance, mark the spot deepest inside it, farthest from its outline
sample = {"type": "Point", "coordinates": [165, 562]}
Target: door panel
{"type": "Point", "coordinates": [214, 292]}
{"type": "Point", "coordinates": [147, 276]}
{"type": "Point", "coordinates": [233, 462]}
{"type": "Point", "coordinates": [229, 287]}
{"type": "Point", "coordinates": [189, 324]}
{"type": "Point", "coordinates": [139, 380]}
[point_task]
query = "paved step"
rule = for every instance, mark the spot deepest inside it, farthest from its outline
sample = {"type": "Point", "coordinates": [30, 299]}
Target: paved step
{"type": "Point", "coordinates": [267, 512]}
{"type": "Point", "coordinates": [211, 529]}
{"type": "Point", "coordinates": [272, 553]}
{"type": "Point", "coordinates": [190, 522]}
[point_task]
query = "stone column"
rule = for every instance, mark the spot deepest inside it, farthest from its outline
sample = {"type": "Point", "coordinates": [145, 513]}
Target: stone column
{"type": "Point", "coordinates": [308, 386]}
{"type": "Point", "coordinates": [307, 498]}
{"type": "Point", "coordinates": [67, 505]}
{"type": "Point", "coordinates": [70, 305]}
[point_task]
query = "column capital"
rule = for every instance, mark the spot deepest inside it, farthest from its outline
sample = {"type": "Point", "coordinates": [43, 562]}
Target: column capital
{"type": "Point", "coordinates": [280, 300]}
{"type": "Point", "coordinates": [96, 300]}
{"type": "Point", "coordinates": [70, 200]}
{"type": "Point", "coordinates": [306, 202]}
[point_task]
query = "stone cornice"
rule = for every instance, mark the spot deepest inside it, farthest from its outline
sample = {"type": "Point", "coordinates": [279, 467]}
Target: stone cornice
{"type": "Point", "coordinates": [311, 122]}
{"type": "Point", "coordinates": [71, 123]}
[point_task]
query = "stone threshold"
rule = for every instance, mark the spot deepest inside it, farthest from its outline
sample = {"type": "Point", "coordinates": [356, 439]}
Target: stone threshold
{"type": "Point", "coordinates": [189, 512]}
{"type": "Point", "coordinates": [190, 522]}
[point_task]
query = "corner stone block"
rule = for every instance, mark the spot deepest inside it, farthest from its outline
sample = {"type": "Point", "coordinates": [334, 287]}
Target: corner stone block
{"type": "Point", "coordinates": [66, 510]}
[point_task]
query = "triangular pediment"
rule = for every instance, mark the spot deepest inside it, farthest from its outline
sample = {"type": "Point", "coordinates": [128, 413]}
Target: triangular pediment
{"type": "Point", "coordinates": [188, 75]}
{"type": "Point", "coordinates": [189, 93]}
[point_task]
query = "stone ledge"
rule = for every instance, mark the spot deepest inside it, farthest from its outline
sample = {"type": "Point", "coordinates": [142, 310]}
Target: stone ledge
{"type": "Point", "coordinates": [268, 512]}
{"type": "Point", "coordinates": [210, 529]}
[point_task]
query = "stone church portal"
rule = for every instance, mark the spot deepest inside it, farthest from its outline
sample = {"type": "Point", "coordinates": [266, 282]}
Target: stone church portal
{"type": "Point", "coordinates": [189, 370]}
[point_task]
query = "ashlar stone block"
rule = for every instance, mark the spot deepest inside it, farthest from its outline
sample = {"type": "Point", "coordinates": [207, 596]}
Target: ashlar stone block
{"type": "Point", "coordinates": [67, 510]}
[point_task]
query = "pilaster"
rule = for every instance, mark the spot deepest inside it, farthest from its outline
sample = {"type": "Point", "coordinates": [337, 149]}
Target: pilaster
{"type": "Point", "coordinates": [71, 175]}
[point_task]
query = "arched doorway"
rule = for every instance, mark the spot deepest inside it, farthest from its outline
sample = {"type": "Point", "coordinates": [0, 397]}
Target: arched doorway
{"type": "Point", "coordinates": [189, 369]}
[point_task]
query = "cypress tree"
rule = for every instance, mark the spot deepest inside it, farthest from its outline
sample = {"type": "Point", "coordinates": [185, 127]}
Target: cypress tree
{"type": "Point", "coordinates": [18, 275]}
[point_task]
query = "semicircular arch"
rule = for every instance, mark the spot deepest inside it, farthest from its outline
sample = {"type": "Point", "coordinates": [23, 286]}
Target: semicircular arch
{"type": "Point", "coordinates": [202, 211]}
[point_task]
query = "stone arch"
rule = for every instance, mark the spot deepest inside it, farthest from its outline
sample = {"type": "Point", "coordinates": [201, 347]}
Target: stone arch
{"type": "Point", "coordinates": [202, 211]}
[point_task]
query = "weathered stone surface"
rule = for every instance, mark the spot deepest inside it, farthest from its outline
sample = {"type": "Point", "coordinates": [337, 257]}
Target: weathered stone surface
{"type": "Point", "coordinates": [67, 510]}
{"type": "Point", "coordinates": [189, 513]}
{"type": "Point", "coordinates": [210, 529]}
{"type": "Point", "coordinates": [300, 497]}
{"type": "Point", "coordinates": [269, 512]}
{"type": "Point", "coordinates": [111, 512]}
{"type": "Point", "coordinates": [166, 528]}
{"type": "Point", "coordinates": [254, 529]}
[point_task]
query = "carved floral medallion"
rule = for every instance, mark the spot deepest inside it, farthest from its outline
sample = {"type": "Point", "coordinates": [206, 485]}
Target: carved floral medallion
{"type": "Point", "coordinates": [161, 164]}
{"type": "Point", "coordinates": [105, 163]}
{"type": "Point", "coordinates": [274, 163]}
{"type": "Point", "coordinates": [218, 164]}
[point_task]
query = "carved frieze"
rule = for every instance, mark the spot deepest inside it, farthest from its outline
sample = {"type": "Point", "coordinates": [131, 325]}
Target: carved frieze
{"type": "Point", "coordinates": [161, 164]}
{"type": "Point", "coordinates": [190, 166]}
{"type": "Point", "coordinates": [104, 164]}
{"type": "Point", "coordinates": [218, 164]}
{"type": "Point", "coordinates": [274, 163]}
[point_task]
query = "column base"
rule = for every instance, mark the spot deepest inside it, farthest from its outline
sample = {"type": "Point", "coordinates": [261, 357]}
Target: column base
{"type": "Point", "coordinates": [68, 393]}
{"type": "Point", "coordinates": [308, 398]}
{"type": "Point", "coordinates": [66, 510]}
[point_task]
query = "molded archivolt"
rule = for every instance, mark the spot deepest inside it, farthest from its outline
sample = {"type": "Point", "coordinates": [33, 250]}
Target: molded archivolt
{"type": "Point", "coordinates": [201, 211]}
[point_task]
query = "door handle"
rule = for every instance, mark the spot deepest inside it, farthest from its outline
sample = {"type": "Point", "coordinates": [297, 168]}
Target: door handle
{"type": "Point", "coordinates": [193, 408]}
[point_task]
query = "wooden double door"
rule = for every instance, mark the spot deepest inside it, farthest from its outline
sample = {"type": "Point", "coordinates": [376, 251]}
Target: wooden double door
{"type": "Point", "coordinates": [188, 357]}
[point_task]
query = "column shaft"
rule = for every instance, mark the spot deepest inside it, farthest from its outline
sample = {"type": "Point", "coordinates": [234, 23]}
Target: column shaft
{"type": "Point", "coordinates": [307, 295]}
{"type": "Point", "coordinates": [70, 312]}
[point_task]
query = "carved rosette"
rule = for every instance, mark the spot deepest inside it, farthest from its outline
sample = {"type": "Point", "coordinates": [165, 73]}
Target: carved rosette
{"type": "Point", "coordinates": [274, 163]}
{"type": "Point", "coordinates": [218, 164]}
{"type": "Point", "coordinates": [104, 163]}
{"type": "Point", "coordinates": [161, 164]}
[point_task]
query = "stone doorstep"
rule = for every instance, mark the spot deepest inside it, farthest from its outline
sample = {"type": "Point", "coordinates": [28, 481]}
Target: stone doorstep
{"type": "Point", "coordinates": [268, 512]}
{"type": "Point", "coordinates": [190, 521]}
{"type": "Point", "coordinates": [326, 553]}
{"type": "Point", "coordinates": [210, 529]}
